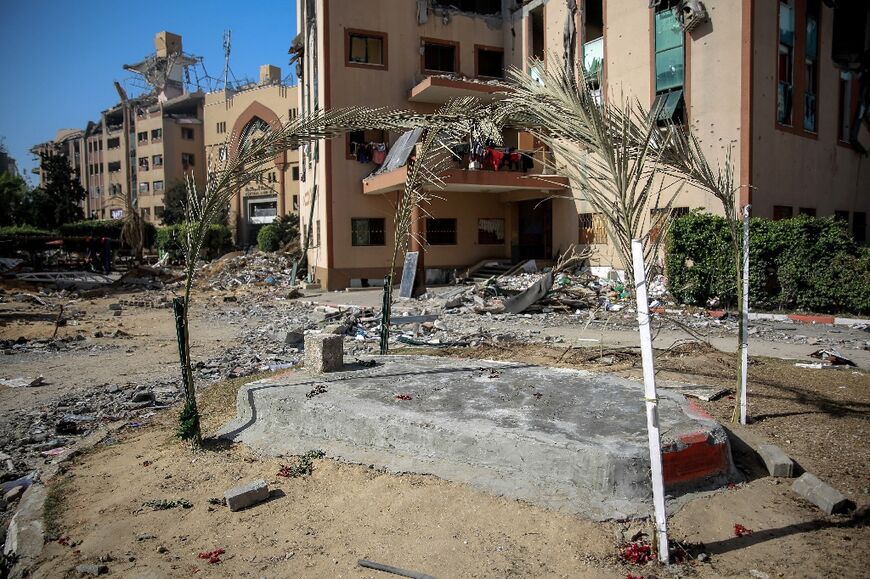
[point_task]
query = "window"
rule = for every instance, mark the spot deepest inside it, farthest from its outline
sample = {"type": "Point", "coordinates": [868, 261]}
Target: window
{"type": "Point", "coordinates": [142, 137]}
{"type": "Point", "coordinates": [441, 231]}
{"type": "Point", "coordinates": [157, 160]}
{"type": "Point", "coordinates": [156, 134]}
{"type": "Point", "coordinates": [356, 139]}
{"type": "Point", "coordinates": [271, 177]}
{"type": "Point", "coordinates": [113, 143]}
{"type": "Point", "coordinates": [292, 114]}
{"type": "Point", "coordinates": [477, 6]}
{"type": "Point", "coordinates": [296, 203]}
{"type": "Point", "coordinates": [785, 63]}
{"type": "Point", "coordinates": [143, 163]}
{"type": "Point", "coordinates": [317, 229]}
{"type": "Point", "coordinates": [657, 220]}
{"type": "Point", "coordinates": [592, 231]}
{"type": "Point", "coordinates": [811, 67]}
{"type": "Point", "coordinates": [187, 133]}
{"type": "Point", "coordinates": [848, 110]}
{"type": "Point", "coordinates": [222, 127]}
{"type": "Point", "coordinates": [808, 211]}
{"type": "Point", "coordinates": [295, 172]}
{"type": "Point", "coordinates": [440, 56]}
{"type": "Point", "coordinates": [782, 212]}
{"type": "Point", "coordinates": [114, 166]}
{"type": "Point", "coordinates": [187, 160]}
{"type": "Point", "coordinates": [669, 65]}
{"type": "Point", "coordinates": [490, 231]}
{"type": "Point", "coordinates": [490, 62]}
{"type": "Point", "coordinates": [367, 232]}
{"type": "Point", "coordinates": [222, 153]}
{"type": "Point", "coordinates": [859, 226]}
{"type": "Point", "coordinates": [100, 145]}
{"type": "Point", "coordinates": [158, 186]}
{"type": "Point", "coordinates": [144, 187]}
{"type": "Point", "coordinates": [146, 213]}
{"type": "Point", "coordinates": [841, 215]}
{"type": "Point", "coordinates": [366, 49]}
{"type": "Point", "coordinates": [158, 211]}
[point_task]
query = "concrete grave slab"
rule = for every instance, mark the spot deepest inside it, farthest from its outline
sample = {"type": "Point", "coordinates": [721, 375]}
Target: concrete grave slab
{"type": "Point", "coordinates": [564, 439]}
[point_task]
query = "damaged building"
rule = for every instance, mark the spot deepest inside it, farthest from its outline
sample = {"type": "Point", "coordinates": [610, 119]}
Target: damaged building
{"type": "Point", "coordinates": [780, 86]}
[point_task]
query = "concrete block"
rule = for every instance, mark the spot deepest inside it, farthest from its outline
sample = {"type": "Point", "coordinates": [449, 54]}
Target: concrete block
{"type": "Point", "coordinates": [777, 462]}
{"type": "Point", "coordinates": [246, 495]}
{"type": "Point", "coordinates": [324, 352]}
{"type": "Point", "coordinates": [827, 498]}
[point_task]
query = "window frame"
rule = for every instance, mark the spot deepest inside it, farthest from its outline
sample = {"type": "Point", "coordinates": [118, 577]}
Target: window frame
{"type": "Point", "coordinates": [478, 48]}
{"type": "Point", "coordinates": [503, 231]}
{"type": "Point", "coordinates": [383, 36]}
{"type": "Point", "coordinates": [187, 131]}
{"type": "Point", "coordinates": [425, 40]}
{"type": "Point", "coordinates": [455, 221]}
{"type": "Point", "coordinates": [154, 186]}
{"type": "Point", "coordinates": [353, 238]}
{"type": "Point", "coordinates": [675, 98]}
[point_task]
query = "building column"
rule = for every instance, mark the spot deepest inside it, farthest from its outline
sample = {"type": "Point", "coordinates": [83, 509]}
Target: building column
{"type": "Point", "coordinates": [418, 232]}
{"type": "Point", "coordinates": [282, 201]}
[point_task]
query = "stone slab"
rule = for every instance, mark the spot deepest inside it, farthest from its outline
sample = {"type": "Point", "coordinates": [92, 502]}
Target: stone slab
{"type": "Point", "coordinates": [777, 462]}
{"type": "Point", "coordinates": [324, 352]}
{"type": "Point", "coordinates": [560, 438]}
{"type": "Point", "coordinates": [246, 495]}
{"type": "Point", "coordinates": [824, 496]}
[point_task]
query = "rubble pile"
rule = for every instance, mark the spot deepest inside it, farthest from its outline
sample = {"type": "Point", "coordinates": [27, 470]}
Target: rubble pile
{"type": "Point", "coordinates": [237, 269]}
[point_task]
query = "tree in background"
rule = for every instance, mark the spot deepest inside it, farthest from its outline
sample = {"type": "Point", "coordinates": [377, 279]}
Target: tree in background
{"type": "Point", "coordinates": [13, 191]}
{"type": "Point", "coordinates": [175, 201]}
{"type": "Point", "coordinates": [60, 200]}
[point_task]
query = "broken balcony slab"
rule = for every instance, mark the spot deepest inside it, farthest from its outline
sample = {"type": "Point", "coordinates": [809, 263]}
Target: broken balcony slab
{"type": "Point", "coordinates": [564, 439]}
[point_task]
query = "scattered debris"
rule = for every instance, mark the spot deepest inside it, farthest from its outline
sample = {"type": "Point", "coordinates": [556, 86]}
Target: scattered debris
{"type": "Point", "coordinates": [741, 531]}
{"type": "Point", "coordinates": [637, 553]}
{"type": "Point", "coordinates": [316, 391]}
{"type": "Point", "coordinates": [213, 557]}
{"type": "Point", "coordinates": [403, 397]}
{"type": "Point", "coordinates": [164, 504]}
{"type": "Point", "coordinates": [832, 357]}
{"type": "Point", "coordinates": [394, 570]}
{"type": "Point", "coordinates": [22, 382]}
{"type": "Point", "coordinates": [303, 466]}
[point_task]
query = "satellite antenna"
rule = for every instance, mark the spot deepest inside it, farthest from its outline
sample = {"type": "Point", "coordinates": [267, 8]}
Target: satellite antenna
{"type": "Point", "coordinates": [227, 44]}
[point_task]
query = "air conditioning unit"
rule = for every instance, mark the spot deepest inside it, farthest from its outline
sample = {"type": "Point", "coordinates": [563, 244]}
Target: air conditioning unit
{"type": "Point", "coordinates": [691, 13]}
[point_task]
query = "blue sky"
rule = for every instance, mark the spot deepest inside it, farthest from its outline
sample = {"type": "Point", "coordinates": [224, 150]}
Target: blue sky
{"type": "Point", "coordinates": [59, 58]}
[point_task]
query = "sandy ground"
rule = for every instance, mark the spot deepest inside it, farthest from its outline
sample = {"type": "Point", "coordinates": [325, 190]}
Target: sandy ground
{"type": "Point", "coordinates": [318, 526]}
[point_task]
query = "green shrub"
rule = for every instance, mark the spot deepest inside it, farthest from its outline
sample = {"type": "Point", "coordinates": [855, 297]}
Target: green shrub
{"type": "Point", "coordinates": [279, 233]}
{"type": "Point", "coordinates": [24, 231]}
{"type": "Point", "coordinates": [218, 240]}
{"type": "Point", "coordinates": [804, 263]}
{"type": "Point", "coordinates": [110, 228]}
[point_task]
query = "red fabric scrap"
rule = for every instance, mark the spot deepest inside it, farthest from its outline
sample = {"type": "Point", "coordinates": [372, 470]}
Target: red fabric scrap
{"type": "Point", "coordinates": [212, 557]}
{"type": "Point", "coordinates": [740, 530]}
{"type": "Point", "coordinates": [637, 553]}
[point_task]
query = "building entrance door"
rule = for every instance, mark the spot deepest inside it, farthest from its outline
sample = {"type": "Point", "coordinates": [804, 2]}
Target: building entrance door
{"type": "Point", "coordinates": [535, 227]}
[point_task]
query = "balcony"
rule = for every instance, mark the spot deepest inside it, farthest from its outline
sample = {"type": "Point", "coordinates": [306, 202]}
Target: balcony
{"type": "Point", "coordinates": [440, 89]}
{"type": "Point", "coordinates": [489, 176]}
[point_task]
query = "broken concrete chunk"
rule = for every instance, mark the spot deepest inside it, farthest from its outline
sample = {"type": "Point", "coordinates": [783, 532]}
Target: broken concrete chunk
{"type": "Point", "coordinates": [295, 337]}
{"type": "Point", "coordinates": [90, 569]}
{"type": "Point", "coordinates": [25, 382]}
{"type": "Point", "coordinates": [777, 462]}
{"type": "Point", "coordinates": [142, 396]}
{"type": "Point", "coordinates": [246, 495]}
{"type": "Point", "coordinates": [827, 498]}
{"type": "Point", "coordinates": [115, 307]}
{"type": "Point", "coordinates": [324, 352]}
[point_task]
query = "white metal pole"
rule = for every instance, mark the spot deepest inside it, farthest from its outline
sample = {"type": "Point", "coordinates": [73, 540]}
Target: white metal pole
{"type": "Point", "coordinates": [652, 414]}
{"type": "Point", "coordinates": [744, 342]}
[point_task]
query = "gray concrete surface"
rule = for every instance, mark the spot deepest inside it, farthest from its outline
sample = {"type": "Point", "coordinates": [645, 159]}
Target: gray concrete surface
{"type": "Point", "coordinates": [564, 439]}
{"type": "Point", "coordinates": [824, 496]}
{"type": "Point", "coordinates": [248, 494]}
{"type": "Point", "coordinates": [777, 462]}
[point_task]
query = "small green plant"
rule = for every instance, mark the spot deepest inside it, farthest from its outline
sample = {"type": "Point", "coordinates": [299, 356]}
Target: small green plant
{"type": "Point", "coordinates": [303, 466]}
{"type": "Point", "coordinates": [277, 235]}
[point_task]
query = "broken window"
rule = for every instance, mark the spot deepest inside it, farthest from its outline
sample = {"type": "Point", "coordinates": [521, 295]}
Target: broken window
{"type": "Point", "coordinates": [440, 56]}
{"type": "Point", "coordinates": [490, 62]}
{"type": "Point", "coordinates": [143, 163]}
{"type": "Point", "coordinates": [669, 64]}
{"type": "Point", "coordinates": [114, 166]}
{"type": "Point", "coordinates": [782, 212]}
{"type": "Point", "coordinates": [187, 133]}
{"type": "Point", "coordinates": [113, 143]}
{"type": "Point", "coordinates": [490, 231]}
{"type": "Point", "coordinates": [158, 186]}
{"type": "Point", "coordinates": [808, 211]}
{"type": "Point", "coordinates": [370, 231]}
{"type": "Point", "coordinates": [144, 187]}
{"type": "Point", "coordinates": [840, 215]}
{"type": "Point", "coordinates": [158, 211]}
{"type": "Point", "coordinates": [358, 141]}
{"type": "Point", "coordinates": [811, 66]}
{"type": "Point", "coordinates": [146, 213]}
{"type": "Point", "coordinates": [848, 110]}
{"type": "Point", "coordinates": [141, 137]}
{"type": "Point", "coordinates": [156, 134]}
{"type": "Point", "coordinates": [366, 48]}
{"type": "Point", "coordinates": [294, 171]}
{"type": "Point", "coordinates": [187, 160]}
{"type": "Point", "coordinates": [441, 231]}
{"type": "Point", "coordinates": [536, 33]}
{"type": "Point", "coordinates": [785, 63]}
{"type": "Point", "coordinates": [157, 160]}
{"type": "Point", "coordinates": [592, 230]}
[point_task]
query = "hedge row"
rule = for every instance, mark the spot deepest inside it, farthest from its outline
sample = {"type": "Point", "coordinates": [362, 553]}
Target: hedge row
{"type": "Point", "coordinates": [29, 238]}
{"type": "Point", "coordinates": [802, 263]}
{"type": "Point", "coordinates": [218, 240]}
